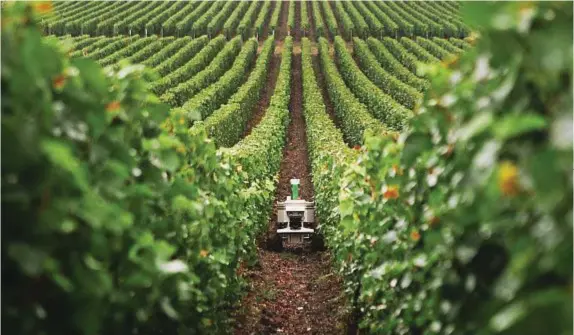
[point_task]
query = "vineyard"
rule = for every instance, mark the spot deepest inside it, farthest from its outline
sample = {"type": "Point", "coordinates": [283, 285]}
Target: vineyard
{"type": "Point", "coordinates": [255, 18]}
{"type": "Point", "coordinates": [148, 144]}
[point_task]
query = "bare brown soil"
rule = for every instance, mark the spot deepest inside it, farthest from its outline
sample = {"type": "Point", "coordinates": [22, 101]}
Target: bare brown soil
{"type": "Point", "coordinates": [294, 294]}
{"type": "Point", "coordinates": [297, 29]}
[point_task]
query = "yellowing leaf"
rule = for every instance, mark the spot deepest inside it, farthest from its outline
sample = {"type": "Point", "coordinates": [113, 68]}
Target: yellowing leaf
{"type": "Point", "coordinates": [113, 106]}
{"type": "Point", "coordinates": [508, 179]}
{"type": "Point", "coordinates": [43, 7]}
{"type": "Point", "coordinates": [392, 192]}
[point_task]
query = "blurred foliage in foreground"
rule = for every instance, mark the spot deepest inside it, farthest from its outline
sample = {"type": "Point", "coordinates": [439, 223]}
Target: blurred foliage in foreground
{"type": "Point", "coordinates": [110, 225]}
{"type": "Point", "coordinates": [465, 225]}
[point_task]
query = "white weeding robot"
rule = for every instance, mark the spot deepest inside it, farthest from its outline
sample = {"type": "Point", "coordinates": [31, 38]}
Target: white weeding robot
{"type": "Point", "coordinates": [295, 217]}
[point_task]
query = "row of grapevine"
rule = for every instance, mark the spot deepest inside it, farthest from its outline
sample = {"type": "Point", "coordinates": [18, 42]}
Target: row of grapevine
{"type": "Point", "coordinates": [213, 20]}
{"type": "Point", "coordinates": [94, 44]}
{"type": "Point", "coordinates": [154, 25]}
{"type": "Point", "coordinates": [460, 43]}
{"type": "Point", "coordinates": [262, 18]}
{"type": "Point", "coordinates": [390, 27]}
{"type": "Point", "coordinates": [127, 51]}
{"type": "Point", "coordinates": [447, 45]}
{"type": "Point", "coordinates": [110, 48]}
{"type": "Point", "coordinates": [450, 6]}
{"type": "Point", "coordinates": [196, 18]}
{"type": "Point", "coordinates": [437, 12]}
{"type": "Point", "coordinates": [169, 25]}
{"type": "Point", "coordinates": [105, 25]}
{"type": "Point", "coordinates": [233, 21]}
{"type": "Point", "coordinates": [122, 27]}
{"type": "Point", "coordinates": [165, 53]}
{"type": "Point", "coordinates": [150, 50]}
{"type": "Point", "coordinates": [104, 47]}
{"type": "Point", "coordinates": [376, 28]}
{"type": "Point", "coordinates": [446, 24]}
{"type": "Point", "coordinates": [411, 25]}
{"type": "Point", "coordinates": [406, 58]}
{"type": "Point", "coordinates": [139, 25]}
{"type": "Point", "coordinates": [226, 125]}
{"type": "Point", "coordinates": [245, 27]}
{"type": "Point", "coordinates": [92, 24]}
{"type": "Point", "coordinates": [327, 149]}
{"type": "Point", "coordinates": [434, 28]}
{"type": "Point", "coordinates": [178, 95]}
{"type": "Point", "coordinates": [209, 99]}
{"type": "Point", "coordinates": [345, 22]}
{"type": "Point", "coordinates": [259, 154]}
{"type": "Point", "coordinates": [361, 26]}
{"type": "Point", "coordinates": [393, 66]}
{"type": "Point", "coordinates": [51, 22]}
{"type": "Point", "coordinates": [199, 61]}
{"type": "Point", "coordinates": [354, 117]}
{"type": "Point", "coordinates": [117, 234]}
{"type": "Point", "coordinates": [405, 27]}
{"type": "Point", "coordinates": [380, 105]}
{"type": "Point", "coordinates": [291, 16]}
{"type": "Point", "coordinates": [69, 37]}
{"type": "Point", "coordinates": [274, 20]}
{"type": "Point", "coordinates": [330, 19]}
{"type": "Point", "coordinates": [433, 48]}
{"type": "Point", "coordinates": [305, 20]}
{"type": "Point", "coordinates": [65, 10]}
{"type": "Point", "coordinates": [182, 56]}
{"type": "Point", "coordinates": [79, 44]}
{"type": "Point", "coordinates": [72, 22]}
{"type": "Point", "coordinates": [184, 27]}
{"type": "Point", "coordinates": [465, 227]}
{"type": "Point", "coordinates": [401, 92]}
{"type": "Point", "coordinates": [421, 53]}
{"type": "Point", "coordinates": [318, 19]}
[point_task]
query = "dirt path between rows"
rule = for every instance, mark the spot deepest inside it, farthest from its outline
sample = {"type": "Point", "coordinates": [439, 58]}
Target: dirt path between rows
{"type": "Point", "coordinates": [297, 29]}
{"type": "Point", "coordinates": [295, 291]}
